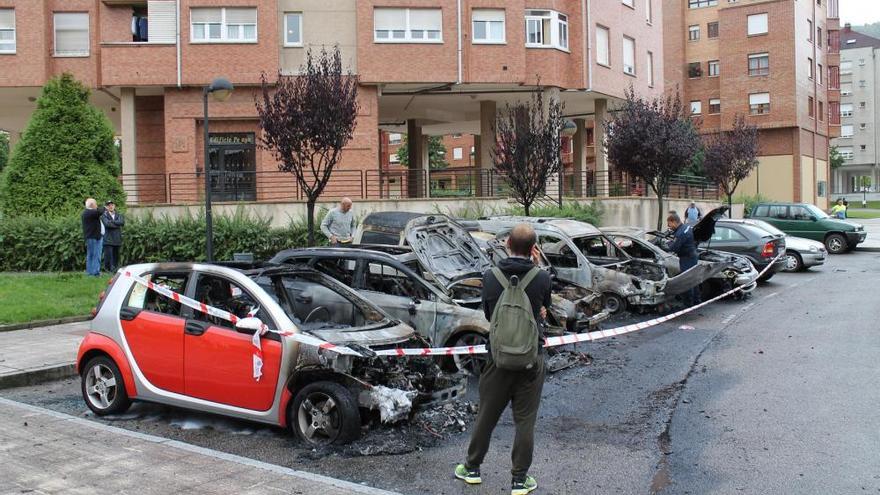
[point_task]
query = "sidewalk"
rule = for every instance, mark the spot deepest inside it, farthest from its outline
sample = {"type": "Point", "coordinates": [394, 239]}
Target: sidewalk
{"type": "Point", "coordinates": [39, 354]}
{"type": "Point", "coordinates": [872, 242]}
{"type": "Point", "coordinates": [45, 451]}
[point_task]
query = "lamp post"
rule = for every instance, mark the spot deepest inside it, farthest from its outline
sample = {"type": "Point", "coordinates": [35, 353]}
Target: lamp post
{"type": "Point", "coordinates": [221, 88]}
{"type": "Point", "coordinates": [569, 128]}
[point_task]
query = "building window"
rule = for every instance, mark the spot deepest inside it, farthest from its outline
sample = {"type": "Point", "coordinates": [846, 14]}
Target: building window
{"type": "Point", "coordinates": [714, 68]}
{"type": "Point", "coordinates": [650, 69]}
{"type": "Point", "coordinates": [846, 131]}
{"type": "Point", "coordinates": [821, 111]}
{"type": "Point", "coordinates": [223, 25]}
{"type": "Point", "coordinates": [293, 29]}
{"type": "Point", "coordinates": [845, 89]}
{"type": "Point", "coordinates": [693, 33]}
{"type": "Point", "coordinates": [7, 30]}
{"type": "Point", "coordinates": [759, 64]}
{"type": "Point", "coordinates": [712, 30]}
{"type": "Point", "coordinates": [861, 62]}
{"type": "Point", "coordinates": [395, 138]}
{"type": "Point", "coordinates": [649, 11]}
{"type": "Point", "coordinates": [812, 67]}
{"type": "Point", "coordinates": [811, 107]}
{"type": "Point", "coordinates": [602, 50]}
{"type": "Point", "coordinates": [861, 105]}
{"type": "Point", "coordinates": [629, 56]}
{"type": "Point", "coordinates": [407, 25]}
{"type": "Point", "coordinates": [759, 103]}
{"type": "Point", "coordinates": [810, 30]}
{"type": "Point", "coordinates": [696, 4]}
{"type": "Point", "coordinates": [696, 107]}
{"type": "Point", "coordinates": [714, 105]}
{"type": "Point", "coordinates": [819, 73]}
{"type": "Point", "coordinates": [846, 109]}
{"type": "Point", "coordinates": [845, 152]}
{"type": "Point", "coordinates": [628, 3]}
{"type": "Point", "coordinates": [863, 147]}
{"type": "Point", "coordinates": [861, 83]}
{"type": "Point", "coordinates": [457, 153]}
{"type": "Point", "coordinates": [546, 29]}
{"type": "Point", "coordinates": [845, 67]}
{"type": "Point", "coordinates": [757, 24]}
{"type": "Point", "coordinates": [694, 70]}
{"type": "Point", "coordinates": [488, 26]}
{"type": "Point", "coordinates": [819, 36]}
{"type": "Point", "coordinates": [71, 34]}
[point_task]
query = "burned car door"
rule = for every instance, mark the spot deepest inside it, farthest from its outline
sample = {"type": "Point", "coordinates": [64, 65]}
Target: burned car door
{"type": "Point", "coordinates": [645, 251]}
{"type": "Point", "coordinates": [564, 259]}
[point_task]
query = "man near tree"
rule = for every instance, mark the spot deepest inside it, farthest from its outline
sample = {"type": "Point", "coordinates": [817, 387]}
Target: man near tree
{"type": "Point", "coordinates": [113, 222]}
{"type": "Point", "coordinates": [338, 225]}
{"type": "Point", "coordinates": [92, 232]}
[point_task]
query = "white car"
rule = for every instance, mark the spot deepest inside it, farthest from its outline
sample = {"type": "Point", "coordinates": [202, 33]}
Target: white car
{"type": "Point", "coordinates": [800, 253]}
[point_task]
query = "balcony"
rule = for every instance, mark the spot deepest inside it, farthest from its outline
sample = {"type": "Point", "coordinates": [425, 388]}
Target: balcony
{"type": "Point", "coordinates": [138, 64]}
{"type": "Point", "coordinates": [833, 12]}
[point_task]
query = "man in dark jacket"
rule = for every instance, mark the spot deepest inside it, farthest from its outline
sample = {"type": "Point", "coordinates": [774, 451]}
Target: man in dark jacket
{"type": "Point", "coordinates": [113, 222]}
{"type": "Point", "coordinates": [91, 225]}
{"type": "Point", "coordinates": [500, 387]}
{"type": "Point", "coordinates": [684, 246]}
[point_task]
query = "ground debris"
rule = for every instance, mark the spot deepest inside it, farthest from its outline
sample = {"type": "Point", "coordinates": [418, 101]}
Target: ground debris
{"type": "Point", "coordinates": [566, 359]}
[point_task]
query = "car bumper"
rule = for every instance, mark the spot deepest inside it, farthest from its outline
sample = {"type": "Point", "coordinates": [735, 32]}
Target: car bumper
{"type": "Point", "coordinates": [854, 238]}
{"type": "Point", "coordinates": [813, 259]}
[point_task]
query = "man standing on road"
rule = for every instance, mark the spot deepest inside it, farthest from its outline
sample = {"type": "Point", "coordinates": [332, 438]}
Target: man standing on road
{"type": "Point", "coordinates": [684, 246]}
{"type": "Point", "coordinates": [521, 388]}
{"type": "Point", "coordinates": [92, 232]}
{"type": "Point", "coordinates": [338, 225]}
{"type": "Point", "coordinates": [113, 222]}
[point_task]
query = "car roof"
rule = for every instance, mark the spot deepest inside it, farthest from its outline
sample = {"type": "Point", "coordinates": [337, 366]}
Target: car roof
{"type": "Point", "coordinates": [569, 226]}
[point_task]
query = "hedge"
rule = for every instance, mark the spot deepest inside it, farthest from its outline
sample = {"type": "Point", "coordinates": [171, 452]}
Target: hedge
{"type": "Point", "coordinates": [30, 244]}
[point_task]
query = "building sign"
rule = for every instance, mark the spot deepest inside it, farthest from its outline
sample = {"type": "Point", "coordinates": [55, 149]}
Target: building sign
{"type": "Point", "coordinates": [231, 139]}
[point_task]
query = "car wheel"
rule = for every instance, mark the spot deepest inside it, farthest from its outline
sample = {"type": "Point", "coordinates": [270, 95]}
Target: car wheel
{"type": "Point", "coordinates": [325, 413]}
{"type": "Point", "coordinates": [793, 262]}
{"type": "Point", "coordinates": [835, 244]}
{"type": "Point", "coordinates": [103, 388]}
{"type": "Point", "coordinates": [471, 364]}
{"type": "Point", "coordinates": [613, 303]}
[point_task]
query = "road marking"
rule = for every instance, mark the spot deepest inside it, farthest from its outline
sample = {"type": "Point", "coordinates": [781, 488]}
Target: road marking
{"type": "Point", "coordinates": [318, 478]}
{"type": "Point", "coordinates": [772, 294]}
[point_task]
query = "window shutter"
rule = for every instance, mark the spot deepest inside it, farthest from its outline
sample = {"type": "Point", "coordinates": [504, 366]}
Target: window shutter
{"type": "Point", "coordinates": [759, 98]}
{"type": "Point", "coordinates": [200, 15]}
{"type": "Point", "coordinates": [489, 15]}
{"type": "Point", "coordinates": [162, 21]}
{"type": "Point", "coordinates": [389, 19]}
{"type": "Point", "coordinates": [72, 34]}
{"type": "Point", "coordinates": [426, 19]}
{"type": "Point", "coordinates": [7, 18]}
{"type": "Point", "coordinates": [241, 16]}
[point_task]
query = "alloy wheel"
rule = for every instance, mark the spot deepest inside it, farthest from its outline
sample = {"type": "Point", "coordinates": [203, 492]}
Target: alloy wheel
{"type": "Point", "coordinates": [101, 387]}
{"type": "Point", "coordinates": [319, 418]}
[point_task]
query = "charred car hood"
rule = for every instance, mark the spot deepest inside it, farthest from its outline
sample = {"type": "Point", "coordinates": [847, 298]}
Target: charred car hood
{"type": "Point", "coordinates": [445, 249]}
{"type": "Point", "coordinates": [384, 334]}
{"type": "Point", "coordinates": [694, 276]}
{"type": "Point", "coordinates": [704, 229]}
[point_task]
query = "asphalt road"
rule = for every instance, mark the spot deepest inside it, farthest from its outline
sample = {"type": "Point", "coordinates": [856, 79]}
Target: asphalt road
{"type": "Point", "coordinates": [775, 394]}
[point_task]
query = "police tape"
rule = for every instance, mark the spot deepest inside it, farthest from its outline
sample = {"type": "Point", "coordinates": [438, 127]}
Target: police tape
{"type": "Point", "coordinates": [427, 351]}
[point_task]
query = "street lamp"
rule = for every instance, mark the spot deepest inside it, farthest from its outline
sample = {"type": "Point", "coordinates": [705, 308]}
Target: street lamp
{"type": "Point", "coordinates": [221, 88]}
{"type": "Point", "coordinates": [569, 129]}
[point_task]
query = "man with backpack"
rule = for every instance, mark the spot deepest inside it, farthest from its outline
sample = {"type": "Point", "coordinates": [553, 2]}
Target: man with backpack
{"type": "Point", "coordinates": [516, 295]}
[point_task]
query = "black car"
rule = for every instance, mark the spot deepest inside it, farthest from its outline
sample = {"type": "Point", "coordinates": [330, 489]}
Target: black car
{"type": "Point", "coordinates": [755, 243]}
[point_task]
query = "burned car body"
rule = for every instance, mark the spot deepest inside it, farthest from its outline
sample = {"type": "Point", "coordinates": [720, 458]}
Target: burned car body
{"type": "Point", "coordinates": [581, 253]}
{"type": "Point", "coordinates": [139, 339]}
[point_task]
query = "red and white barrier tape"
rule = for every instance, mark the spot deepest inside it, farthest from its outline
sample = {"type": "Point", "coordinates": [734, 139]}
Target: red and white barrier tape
{"type": "Point", "coordinates": [430, 351]}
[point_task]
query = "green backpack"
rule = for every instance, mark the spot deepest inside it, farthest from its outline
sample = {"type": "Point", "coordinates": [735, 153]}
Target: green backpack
{"type": "Point", "coordinates": [513, 331]}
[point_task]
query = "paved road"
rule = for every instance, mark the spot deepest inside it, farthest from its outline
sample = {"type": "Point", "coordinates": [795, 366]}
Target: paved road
{"type": "Point", "coordinates": [774, 394]}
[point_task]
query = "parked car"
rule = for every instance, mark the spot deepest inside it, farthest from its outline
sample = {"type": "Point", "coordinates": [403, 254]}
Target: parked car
{"type": "Point", "coordinates": [756, 244]}
{"type": "Point", "coordinates": [582, 254]}
{"type": "Point", "coordinates": [646, 246]}
{"type": "Point", "coordinates": [144, 346]}
{"type": "Point", "coordinates": [810, 222]}
{"type": "Point", "coordinates": [800, 253]}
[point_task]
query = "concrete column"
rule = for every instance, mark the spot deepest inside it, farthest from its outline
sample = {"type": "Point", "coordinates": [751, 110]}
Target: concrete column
{"type": "Point", "coordinates": [128, 126]}
{"type": "Point", "coordinates": [552, 188]}
{"type": "Point", "coordinates": [425, 149]}
{"type": "Point", "coordinates": [485, 145]}
{"type": "Point", "coordinates": [579, 157]}
{"type": "Point", "coordinates": [417, 163]}
{"type": "Point", "coordinates": [601, 113]}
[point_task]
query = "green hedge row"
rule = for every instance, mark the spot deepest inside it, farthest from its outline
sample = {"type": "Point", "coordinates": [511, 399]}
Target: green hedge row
{"type": "Point", "coordinates": [28, 244]}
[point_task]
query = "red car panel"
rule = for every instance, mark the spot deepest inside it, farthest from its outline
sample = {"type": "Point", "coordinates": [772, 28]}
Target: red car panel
{"type": "Point", "coordinates": [156, 342]}
{"type": "Point", "coordinates": [95, 341]}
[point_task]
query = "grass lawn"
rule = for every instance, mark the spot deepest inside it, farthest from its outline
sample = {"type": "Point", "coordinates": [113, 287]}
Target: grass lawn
{"type": "Point", "coordinates": [860, 213]}
{"type": "Point", "coordinates": [28, 297]}
{"type": "Point", "coordinates": [857, 204]}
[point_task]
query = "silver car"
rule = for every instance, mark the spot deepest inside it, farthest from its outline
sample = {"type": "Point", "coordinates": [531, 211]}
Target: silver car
{"type": "Point", "coordinates": [800, 253]}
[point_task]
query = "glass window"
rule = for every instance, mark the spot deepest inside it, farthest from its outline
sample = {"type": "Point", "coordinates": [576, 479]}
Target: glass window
{"type": "Point", "coordinates": [811, 106]}
{"type": "Point", "coordinates": [714, 68]}
{"type": "Point", "coordinates": [395, 138]}
{"type": "Point", "coordinates": [759, 103]}
{"type": "Point", "coordinates": [845, 67]}
{"type": "Point", "coordinates": [819, 74]}
{"type": "Point", "coordinates": [759, 64]}
{"type": "Point", "coordinates": [150, 300]}
{"type": "Point", "coordinates": [628, 3]}
{"type": "Point", "coordinates": [758, 24]}
{"type": "Point", "coordinates": [546, 28]}
{"type": "Point", "coordinates": [223, 294]}
{"type": "Point", "coordinates": [629, 55]}
{"type": "Point", "coordinates": [696, 107]}
{"type": "Point", "coordinates": [760, 211]}
{"type": "Point", "coordinates": [602, 47]}
{"type": "Point", "coordinates": [819, 36]}
{"type": "Point", "coordinates": [558, 252]}
{"type": "Point", "coordinates": [809, 30]}
{"type": "Point", "coordinates": [812, 68]}
{"type": "Point", "coordinates": [7, 30]}
{"type": "Point", "coordinates": [224, 25]}
{"type": "Point", "coordinates": [71, 34]}
{"type": "Point", "coordinates": [693, 33]}
{"type": "Point", "coordinates": [386, 279]}
{"type": "Point", "coordinates": [799, 213]}
{"type": "Point", "coordinates": [457, 153]}
{"type": "Point", "coordinates": [397, 25]}
{"type": "Point", "coordinates": [726, 234]}
{"type": "Point", "coordinates": [694, 70]}
{"type": "Point", "coordinates": [696, 4]}
{"type": "Point", "coordinates": [846, 109]}
{"type": "Point", "coordinates": [650, 69]}
{"type": "Point", "coordinates": [846, 131]}
{"type": "Point", "coordinates": [821, 111]}
{"type": "Point", "coordinates": [563, 31]}
{"type": "Point", "coordinates": [712, 30]}
{"type": "Point", "coordinates": [714, 105]}
{"type": "Point", "coordinates": [488, 26]}
{"type": "Point", "coordinates": [293, 29]}
{"type": "Point", "coordinates": [649, 11]}
{"type": "Point", "coordinates": [845, 89]}
{"type": "Point", "coordinates": [778, 211]}
{"type": "Point", "coordinates": [846, 152]}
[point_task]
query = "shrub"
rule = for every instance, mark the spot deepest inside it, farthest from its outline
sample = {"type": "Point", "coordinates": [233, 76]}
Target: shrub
{"type": "Point", "coordinates": [65, 155]}
{"type": "Point", "coordinates": [4, 150]}
{"type": "Point", "coordinates": [749, 201]}
{"type": "Point", "coordinates": [589, 213]}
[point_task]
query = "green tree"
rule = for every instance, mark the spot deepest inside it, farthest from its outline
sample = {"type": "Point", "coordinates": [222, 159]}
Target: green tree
{"type": "Point", "coordinates": [4, 150]}
{"type": "Point", "coordinates": [66, 154]}
{"type": "Point", "coordinates": [436, 153]}
{"type": "Point", "coordinates": [835, 157]}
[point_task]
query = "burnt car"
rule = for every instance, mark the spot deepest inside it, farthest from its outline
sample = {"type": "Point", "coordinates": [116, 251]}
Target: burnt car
{"type": "Point", "coordinates": [582, 254]}
{"type": "Point", "coordinates": [647, 246]}
{"type": "Point", "coordinates": [148, 347]}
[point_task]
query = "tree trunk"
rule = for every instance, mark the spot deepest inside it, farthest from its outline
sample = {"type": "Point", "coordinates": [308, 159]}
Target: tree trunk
{"type": "Point", "coordinates": [660, 213]}
{"type": "Point", "coordinates": [730, 205]}
{"type": "Point", "coordinates": [310, 219]}
{"type": "Point", "coordinates": [526, 207]}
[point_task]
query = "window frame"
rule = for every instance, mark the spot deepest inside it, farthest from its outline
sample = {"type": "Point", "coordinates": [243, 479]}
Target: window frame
{"type": "Point", "coordinates": [607, 32]}
{"type": "Point", "coordinates": [758, 71]}
{"type": "Point", "coordinates": [88, 51]}
{"type": "Point", "coordinates": [852, 131]}
{"type": "Point", "coordinates": [811, 103]}
{"type": "Point", "coordinates": [766, 16]}
{"type": "Point", "coordinates": [407, 29]}
{"type": "Point", "coordinates": [489, 41]}
{"type": "Point", "coordinates": [286, 43]}
{"type": "Point", "coordinates": [698, 105]}
{"type": "Point", "coordinates": [558, 29]}
{"type": "Point", "coordinates": [692, 29]}
{"type": "Point", "coordinates": [623, 54]}
{"type": "Point", "coordinates": [14, 30]}
{"type": "Point", "coordinates": [717, 65]}
{"type": "Point", "coordinates": [717, 106]}
{"type": "Point", "coordinates": [759, 108]}
{"type": "Point", "coordinates": [149, 275]}
{"type": "Point", "coordinates": [698, 71]}
{"type": "Point", "coordinates": [649, 12]}
{"type": "Point", "coordinates": [700, 4]}
{"type": "Point", "coordinates": [629, 3]}
{"type": "Point", "coordinates": [224, 38]}
{"type": "Point", "coordinates": [650, 61]}
{"type": "Point", "coordinates": [717, 27]}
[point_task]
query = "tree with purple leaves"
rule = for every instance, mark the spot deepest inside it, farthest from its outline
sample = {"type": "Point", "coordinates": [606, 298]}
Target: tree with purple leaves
{"type": "Point", "coordinates": [731, 156]}
{"type": "Point", "coordinates": [652, 140]}
{"type": "Point", "coordinates": [307, 120]}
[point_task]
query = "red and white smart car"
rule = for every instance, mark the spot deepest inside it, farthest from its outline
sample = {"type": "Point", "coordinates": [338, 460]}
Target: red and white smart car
{"type": "Point", "coordinates": [144, 346]}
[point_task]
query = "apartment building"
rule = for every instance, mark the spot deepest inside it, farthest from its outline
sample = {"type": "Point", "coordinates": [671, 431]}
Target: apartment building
{"type": "Point", "coordinates": [438, 67]}
{"type": "Point", "coordinates": [857, 144]}
{"type": "Point", "coordinates": [774, 61]}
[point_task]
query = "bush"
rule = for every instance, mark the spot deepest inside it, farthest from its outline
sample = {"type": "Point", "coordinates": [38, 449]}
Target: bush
{"type": "Point", "coordinates": [66, 154]}
{"type": "Point", "coordinates": [749, 201]}
{"type": "Point", "coordinates": [29, 244]}
{"type": "Point", "coordinates": [4, 150]}
{"type": "Point", "coordinates": [589, 213]}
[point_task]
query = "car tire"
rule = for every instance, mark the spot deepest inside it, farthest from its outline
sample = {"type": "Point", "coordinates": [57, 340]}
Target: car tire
{"type": "Point", "coordinates": [835, 244]}
{"type": "Point", "coordinates": [614, 303]}
{"type": "Point", "coordinates": [103, 388]}
{"type": "Point", "coordinates": [472, 364]}
{"type": "Point", "coordinates": [324, 413]}
{"type": "Point", "coordinates": [793, 262]}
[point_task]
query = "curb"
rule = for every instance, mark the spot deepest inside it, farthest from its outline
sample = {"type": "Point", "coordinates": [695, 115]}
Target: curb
{"type": "Point", "coordinates": [35, 376]}
{"type": "Point", "coordinates": [868, 249]}
{"type": "Point", "coordinates": [43, 323]}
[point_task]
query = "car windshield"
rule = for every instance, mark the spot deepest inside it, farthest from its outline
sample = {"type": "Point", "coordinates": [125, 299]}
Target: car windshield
{"type": "Point", "coordinates": [815, 210]}
{"type": "Point", "coordinates": [766, 226]}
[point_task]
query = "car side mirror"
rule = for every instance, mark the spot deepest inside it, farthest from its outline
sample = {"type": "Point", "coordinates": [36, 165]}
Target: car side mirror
{"type": "Point", "coordinates": [249, 324]}
{"type": "Point", "coordinates": [813, 218]}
